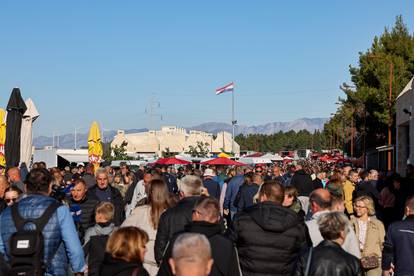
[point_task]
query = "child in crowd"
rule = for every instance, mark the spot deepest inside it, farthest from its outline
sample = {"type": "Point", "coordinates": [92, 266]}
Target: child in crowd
{"type": "Point", "coordinates": [97, 236]}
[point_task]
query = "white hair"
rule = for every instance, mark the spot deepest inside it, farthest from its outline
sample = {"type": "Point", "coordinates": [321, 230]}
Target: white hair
{"type": "Point", "coordinates": [191, 247]}
{"type": "Point", "coordinates": [191, 185]}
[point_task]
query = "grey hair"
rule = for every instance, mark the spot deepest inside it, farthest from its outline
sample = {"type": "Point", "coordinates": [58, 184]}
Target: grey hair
{"type": "Point", "coordinates": [191, 247]}
{"type": "Point", "coordinates": [191, 185]}
{"type": "Point", "coordinates": [332, 224]}
{"type": "Point", "coordinates": [101, 171]}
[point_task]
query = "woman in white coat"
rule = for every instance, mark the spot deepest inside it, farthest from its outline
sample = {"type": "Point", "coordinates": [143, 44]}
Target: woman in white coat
{"type": "Point", "coordinates": [146, 217]}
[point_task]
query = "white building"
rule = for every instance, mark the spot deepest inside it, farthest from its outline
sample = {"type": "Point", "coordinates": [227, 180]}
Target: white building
{"type": "Point", "coordinates": [177, 140]}
{"type": "Point", "coordinates": [405, 128]}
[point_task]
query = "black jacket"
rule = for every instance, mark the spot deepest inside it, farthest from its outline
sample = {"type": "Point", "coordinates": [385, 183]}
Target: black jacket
{"type": "Point", "coordinates": [317, 184]}
{"type": "Point", "coordinates": [117, 267]}
{"type": "Point", "coordinates": [366, 188]}
{"type": "Point", "coordinates": [87, 206]}
{"type": "Point", "coordinates": [329, 259]}
{"type": "Point", "coordinates": [171, 222]}
{"type": "Point", "coordinates": [223, 252]}
{"type": "Point", "coordinates": [95, 250]}
{"type": "Point", "coordinates": [268, 238]}
{"type": "Point", "coordinates": [302, 182]}
{"type": "Point", "coordinates": [116, 200]}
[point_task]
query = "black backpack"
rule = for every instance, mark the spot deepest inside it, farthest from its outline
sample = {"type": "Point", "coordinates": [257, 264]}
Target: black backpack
{"type": "Point", "coordinates": [27, 246]}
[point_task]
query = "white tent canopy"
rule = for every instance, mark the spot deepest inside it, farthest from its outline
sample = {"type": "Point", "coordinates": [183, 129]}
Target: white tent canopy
{"type": "Point", "coordinates": [273, 157]}
{"type": "Point", "coordinates": [255, 160]}
{"type": "Point", "coordinates": [26, 140]}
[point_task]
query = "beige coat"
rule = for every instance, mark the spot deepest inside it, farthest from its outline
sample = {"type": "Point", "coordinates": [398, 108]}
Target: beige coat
{"type": "Point", "coordinates": [374, 240]}
{"type": "Point", "coordinates": [140, 218]}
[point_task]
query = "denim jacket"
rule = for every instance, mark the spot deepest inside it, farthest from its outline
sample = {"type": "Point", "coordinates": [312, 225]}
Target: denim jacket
{"type": "Point", "coordinates": [59, 234]}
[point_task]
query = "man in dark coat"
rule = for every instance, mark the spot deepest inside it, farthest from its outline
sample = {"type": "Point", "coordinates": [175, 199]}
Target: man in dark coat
{"type": "Point", "coordinates": [82, 207]}
{"type": "Point", "coordinates": [398, 253]}
{"type": "Point", "coordinates": [174, 219]}
{"type": "Point", "coordinates": [206, 221]}
{"type": "Point", "coordinates": [105, 192]}
{"type": "Point", "coordinates": [170, 179]}
{"type": "Point", "coordinates": [302, 181]}
{"type": "Point", "coordinates": [245, 196]}
{"type": "Point", "coordinates": [268, 236]}
{"type": "Point", "coordinates": [212, 186]}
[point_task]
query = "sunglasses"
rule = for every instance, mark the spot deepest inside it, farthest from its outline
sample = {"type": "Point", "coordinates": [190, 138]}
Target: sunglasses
{"type": "Point", "coordinates": [259, 171]}
{"type": "Point", "coordinates": [8, 200]}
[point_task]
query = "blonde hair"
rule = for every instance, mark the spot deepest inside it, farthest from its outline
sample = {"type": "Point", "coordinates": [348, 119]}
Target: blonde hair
{"type": "Point", "coordinates": [106, 209]}
{"type": "Point", "coordinates": [369, 203]}
{"type": "Point", "coordinates": [126, 243]}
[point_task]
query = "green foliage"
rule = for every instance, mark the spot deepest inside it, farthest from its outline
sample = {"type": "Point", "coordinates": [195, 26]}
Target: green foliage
{"type": "Point", "coordinates": [282, 141]}
{"type": "Point", "coordinates": [167, 153]}
{"type": "Point", "coordinates": [115, 153]}
{"type": "Point", "coordinates": [200, 150]}
{"type": "Point", "coordinates": [366, 110]}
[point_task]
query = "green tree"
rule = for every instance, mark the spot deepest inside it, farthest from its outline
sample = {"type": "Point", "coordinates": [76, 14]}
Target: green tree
{"type": "Point", "coordinates": [366, 111]}
{"type": "Point", "coordinates": [167, 153]}
{"type": "Point", "coordinates": [200, 150]}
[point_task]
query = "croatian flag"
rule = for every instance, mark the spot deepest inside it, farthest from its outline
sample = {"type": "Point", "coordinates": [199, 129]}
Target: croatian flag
{"type": "Point", "coordinates": [228, 88]}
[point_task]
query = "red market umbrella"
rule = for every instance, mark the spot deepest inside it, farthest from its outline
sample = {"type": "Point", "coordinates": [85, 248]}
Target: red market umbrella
{"type": "Point", "coordinates": [223, 161]}
{"type": "Point", "coordinates": [171, 161]}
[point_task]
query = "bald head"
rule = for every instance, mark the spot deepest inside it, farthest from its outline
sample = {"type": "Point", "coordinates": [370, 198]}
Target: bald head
{"type": "Point", "coordinates": [320, 200]}
{"type": "Point", "coordinates": [14, 174]}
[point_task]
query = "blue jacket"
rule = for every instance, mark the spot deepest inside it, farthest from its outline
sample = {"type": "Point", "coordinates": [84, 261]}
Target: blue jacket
{"type": "Point", "coordinates": [398, 247]}
{"type": "Point", "coordinates": [247, 193]}
{"type": "Point", "coordinates": [231, 192]}
{"type": "Point", "coordinates": [212, 187]}
{"type": "Point", "coordinates": [59, 234]}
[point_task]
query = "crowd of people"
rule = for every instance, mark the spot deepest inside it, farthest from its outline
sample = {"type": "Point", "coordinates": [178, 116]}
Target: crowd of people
{"type": "Point", "coordinates": [306, 218]}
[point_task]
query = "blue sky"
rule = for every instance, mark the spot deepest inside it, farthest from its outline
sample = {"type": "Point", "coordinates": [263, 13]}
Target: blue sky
{"type": "Point", "coordinates": [103, 60]}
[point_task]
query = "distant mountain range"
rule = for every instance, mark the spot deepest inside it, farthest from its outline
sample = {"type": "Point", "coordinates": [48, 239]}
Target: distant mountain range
{"type": "Point", "coordinates": [310, 124]}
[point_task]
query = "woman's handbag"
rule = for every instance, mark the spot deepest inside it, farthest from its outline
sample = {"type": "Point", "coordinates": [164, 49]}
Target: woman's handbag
{"type": "Point", "coordinates": [370, 262]}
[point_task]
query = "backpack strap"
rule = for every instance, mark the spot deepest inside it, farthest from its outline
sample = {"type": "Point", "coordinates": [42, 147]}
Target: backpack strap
{"type": "Point", "coordinates": [40, 222]}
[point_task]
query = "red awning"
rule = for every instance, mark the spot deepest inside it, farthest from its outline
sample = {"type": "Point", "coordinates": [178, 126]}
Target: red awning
{"type": "Point", "coordinates": [223, 161]}
{"type": "Point", "coordinates": [171, 161]}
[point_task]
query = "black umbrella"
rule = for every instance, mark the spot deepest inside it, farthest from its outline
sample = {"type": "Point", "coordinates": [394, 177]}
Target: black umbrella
{"type": "Point", "coordinates": [15, 110]}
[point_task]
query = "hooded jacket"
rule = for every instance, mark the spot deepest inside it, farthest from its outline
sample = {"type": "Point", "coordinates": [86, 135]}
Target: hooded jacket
{"type": "Point", "coordinates": [268, 238]}
{"type": "Point", "coordinates": [223, 252]}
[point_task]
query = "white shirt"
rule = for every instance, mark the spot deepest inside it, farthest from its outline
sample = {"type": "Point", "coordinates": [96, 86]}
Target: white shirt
{"type": "Point", "coordinates": [139, 193]}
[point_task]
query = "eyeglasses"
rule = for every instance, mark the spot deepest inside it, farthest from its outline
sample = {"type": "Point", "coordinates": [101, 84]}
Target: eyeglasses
{"type": "Point", "coordinates": [8, 200]}
{"type": "Point", "coordinates": [359, 207]}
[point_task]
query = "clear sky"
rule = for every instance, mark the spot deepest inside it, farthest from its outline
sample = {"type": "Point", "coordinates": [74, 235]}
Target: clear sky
{"type": "Point", "coordinates": [103, 60]}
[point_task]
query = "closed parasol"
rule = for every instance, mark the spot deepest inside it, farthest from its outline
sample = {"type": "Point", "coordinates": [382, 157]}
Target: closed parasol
{"type": "Point", "coordinates": [95, 150]}
{"type": "Point", "coordinates": [15, 110]}
{"type": "Point", "coordinates": [26, 141]}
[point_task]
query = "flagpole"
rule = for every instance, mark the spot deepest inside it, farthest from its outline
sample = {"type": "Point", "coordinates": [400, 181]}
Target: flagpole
{"type": "Point", "coordinates": [233, 122]}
